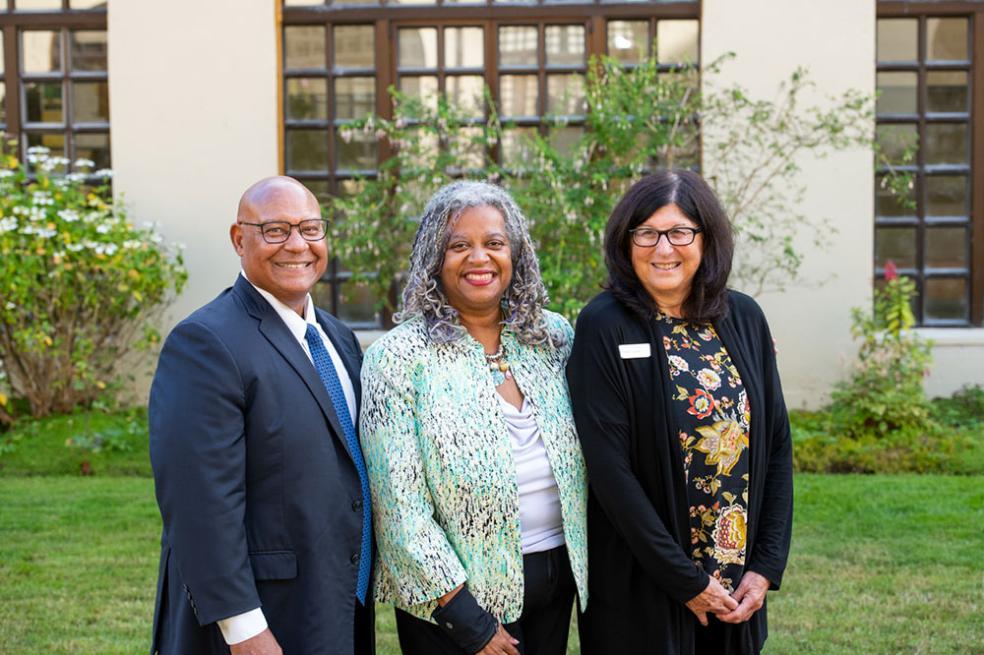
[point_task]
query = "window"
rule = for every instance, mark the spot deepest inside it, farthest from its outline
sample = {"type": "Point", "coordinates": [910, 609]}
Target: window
{"type": "Point", "coordinates": [340, 57]}
{"type": "Point", "coordinates": [929, 75]}
{"type": "Point", "coordinates": [55, 86]}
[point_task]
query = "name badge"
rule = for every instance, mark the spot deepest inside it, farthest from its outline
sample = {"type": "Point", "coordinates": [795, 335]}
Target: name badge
{"type": "Point", "coordinates": [634, 350]}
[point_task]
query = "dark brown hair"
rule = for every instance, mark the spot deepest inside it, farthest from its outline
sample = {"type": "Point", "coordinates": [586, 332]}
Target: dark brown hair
{"type": "Point", "coordinates": [707, 300]}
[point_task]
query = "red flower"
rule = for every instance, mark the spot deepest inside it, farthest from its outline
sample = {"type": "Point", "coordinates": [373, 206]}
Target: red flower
{"type": "Point", "coordinates": [891, 272]}
{"type": "Point", "coordinates": [701, 404]}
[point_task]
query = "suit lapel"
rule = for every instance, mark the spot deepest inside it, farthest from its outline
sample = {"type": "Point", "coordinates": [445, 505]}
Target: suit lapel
{"type": "Point", "coordinates": [272, 327]}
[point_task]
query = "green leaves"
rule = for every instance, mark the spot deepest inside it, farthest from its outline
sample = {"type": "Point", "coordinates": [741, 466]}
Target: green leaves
{"type": "Point", "coordinates": [77, 281]}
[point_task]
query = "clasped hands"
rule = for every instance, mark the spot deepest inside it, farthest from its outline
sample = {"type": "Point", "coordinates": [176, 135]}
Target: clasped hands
{"type": "Point", "coordinates": [730, 608]}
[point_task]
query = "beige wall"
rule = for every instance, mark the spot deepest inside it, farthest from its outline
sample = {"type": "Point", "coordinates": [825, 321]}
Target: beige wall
{"type": "Point", "coordinates": [770, 39]}
{"type": "Point", "coordinates": [193, 101]}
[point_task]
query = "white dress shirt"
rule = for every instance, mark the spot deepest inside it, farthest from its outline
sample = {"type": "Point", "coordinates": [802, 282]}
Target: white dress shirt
{"type": "Point", "coordinates": [249, 624]}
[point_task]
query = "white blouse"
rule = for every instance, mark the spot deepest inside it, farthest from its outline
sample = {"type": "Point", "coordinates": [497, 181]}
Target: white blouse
{"type": "Point", "coordinates": [540, 519]}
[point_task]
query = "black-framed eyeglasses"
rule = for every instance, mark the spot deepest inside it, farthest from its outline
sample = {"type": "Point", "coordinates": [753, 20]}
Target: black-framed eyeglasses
{"type": "Point", "coordinates": [647, 237]}
{"type": "Point", "coordinates": [313, 229]}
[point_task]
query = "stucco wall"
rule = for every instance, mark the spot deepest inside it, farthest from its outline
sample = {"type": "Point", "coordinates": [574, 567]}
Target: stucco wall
{"type": "Point", "coordinates": [193, 100]}
{"type": "Point", "coordinates": [811, 322]}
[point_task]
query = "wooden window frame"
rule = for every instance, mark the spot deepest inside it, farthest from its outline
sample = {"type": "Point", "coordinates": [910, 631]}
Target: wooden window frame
{"type": "Point", "coordinates": [388, 19]}
{"type": "Point", "coordinates": [12, 22]}
{"type": "Point", "coordinates": [974, 12]}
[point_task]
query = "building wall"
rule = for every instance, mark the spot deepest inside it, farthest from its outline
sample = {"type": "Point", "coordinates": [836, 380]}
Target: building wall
{"type": "Point", "coordinates": [193, 101]}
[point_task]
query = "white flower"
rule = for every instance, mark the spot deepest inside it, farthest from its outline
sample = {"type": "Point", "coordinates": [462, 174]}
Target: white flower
{"type": "Point", "coordinates": [75, 177]}
{"type": "Point", "coordinates": [709, 379]}
{"type": "Point", "coordinates": [45, 233]}
{"type": "Point", "coordinates": [11, 305]}
{"type": "Point", "coordinates": [131, 244]}
{"type": "Point", "coordinates": [68, 215]}
{"type": "Point", "coordinates": [74, 247]}
{"type": "Point", "coordinates": [103, 172]}
{"type": "Point", "coordinates": [84, 163]}
{"type": "Point", "coordinates": [678, 363]}
{"type": "Point", "coordinates": [60, 161]}
{"type": "Point", "coordinates": [6, 173]}
{"type": "Point", "coordinates": [8, 224]}
{"type": "Point", "coordinates": [38, 150]}
{"type": "Point", "coordinates": [104, 228]}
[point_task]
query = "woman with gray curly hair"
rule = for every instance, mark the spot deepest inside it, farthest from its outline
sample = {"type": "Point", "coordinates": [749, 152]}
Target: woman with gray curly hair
{"type": "Point", "coordinates": [478, 484]}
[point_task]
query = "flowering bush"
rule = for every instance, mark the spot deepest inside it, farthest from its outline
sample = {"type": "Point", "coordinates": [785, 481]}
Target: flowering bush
{"type": "Point", "coordinates": [79, 283]}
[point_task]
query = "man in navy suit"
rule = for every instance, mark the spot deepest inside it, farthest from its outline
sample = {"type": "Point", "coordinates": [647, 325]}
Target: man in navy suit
{"type": "Point", "coordinates": [267, 538]}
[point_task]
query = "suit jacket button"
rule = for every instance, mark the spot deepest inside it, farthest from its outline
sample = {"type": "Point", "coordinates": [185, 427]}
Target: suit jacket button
{"type": "Point", "coordinates": [355, 558]}
{"type": "Point", "coordinates": [357, 505]}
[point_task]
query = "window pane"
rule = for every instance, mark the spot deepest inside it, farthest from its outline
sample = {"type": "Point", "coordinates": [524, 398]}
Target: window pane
{"type": "Point", "coordinates": [676, 41]}
{"type": "Point", "coordinates": [517, 46]}
{"type": "Point", "coordinates": [41, 52]}
{"type": "Point", "coordinates": [358, 302]}
{"type": "Point", "coordinates": [55, 142]}
{"type": "Point", "coordinates": [468, 148]}
{"type": "Point", "coordinates": [464, 47]}
{"type": "Point", "coordinates": [946, 143]}
{"type": "Point", "coordinates": [515, 145]}
{"type": "Point", "coordinates": [355, 97]}
{"type": "Point", "coordinates": [307, 98]}
{"type": "Point", "coordinates": [358, 154]}
{"type": "Point", "coordinates": [565, 45]}
{"type": "Point", "coordinates": [945, 298]}
{"type": "Point", "coordinates": [418, 47]}
{"type": "Point", "coordinates": [628, 40]}
{"type": "Point", "coordinates": [90, 101]}
{"type": "Point", "coordinates": [565, 139]}
{"type": "Point", "coordinates": [896, 93]}
{"type": "Point", "coordinates": [423, 88]}
{"type": "Point", "coordinates": [88, 50]}
{"type": "Point", "coordinates": [94, 147]}
{"type": "Point", "coordinates": [947, 195]}
{"type": "Point", "coordinates": [946, 247]}
{"type": "Point", "coordinates": [518, 95]}
{"type": "Point", "coordinates": [466, 93]}
{"type": "Point", "coordinates": [887, 204]}
{"type": "Point", "coordinates": [43, 101]}
{"type": "Point", "coordinates": [946, 91]}
{"type": "Point", "coordinates": [307, 150]}
{"type": "Point", "coordinates": [897, 39]}
{"type": "Point", "coordinates": [304, 47]}
{"type": "Point", "coordinates": [87, 4]}
{"type": "Point", "coordinates": [946, 39]}
{"type": "Point", "coordinates": [895, 140]}
{"type": "Point", "coordinates": [319, 188]}
{"type": "Point", "coordinates": [355, 46]}
{"type": "Point", "coordinates": [895, 244]}
{"type": "Point", "coordinates": [565, 95]}
{"type": "Point", "coordinates": [38, 5]}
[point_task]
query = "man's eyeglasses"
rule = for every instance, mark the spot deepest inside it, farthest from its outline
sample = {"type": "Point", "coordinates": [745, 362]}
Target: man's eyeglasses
{"type": "Point", "coordinates": [647, 237]}
{"type": "Point", "coordinates": [313, 229]}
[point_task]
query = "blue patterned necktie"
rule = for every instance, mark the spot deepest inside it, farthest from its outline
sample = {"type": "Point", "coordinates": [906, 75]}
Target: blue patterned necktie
{"type": "Point", "coordinates": [328, 375]}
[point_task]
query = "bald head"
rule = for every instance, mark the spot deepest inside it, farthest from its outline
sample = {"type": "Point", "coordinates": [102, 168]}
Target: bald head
{"type": "Point", "coordinates": [271, 190]}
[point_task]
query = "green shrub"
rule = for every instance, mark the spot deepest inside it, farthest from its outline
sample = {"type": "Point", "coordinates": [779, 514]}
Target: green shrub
{"type": "Point", "coordinates": [884, 395]}
{"type": "Point", "coordinates": [964, 409]}
{"type": "Point", "coordinates": [80, 284]}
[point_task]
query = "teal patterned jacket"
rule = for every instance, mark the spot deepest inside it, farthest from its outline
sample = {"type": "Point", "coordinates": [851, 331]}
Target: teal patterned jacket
{"type": "Point", "coordinates": [444, 491]}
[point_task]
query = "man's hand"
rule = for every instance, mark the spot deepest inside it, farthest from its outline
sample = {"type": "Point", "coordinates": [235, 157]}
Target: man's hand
{"type": "Point", "coordinates": [262, 644]}
{"type": "Point", "coordinates": [713, 599]}
{"type": "Point", "coordinates": [502, 643]}
{"type": "Point", "coordinates": [750, 595]}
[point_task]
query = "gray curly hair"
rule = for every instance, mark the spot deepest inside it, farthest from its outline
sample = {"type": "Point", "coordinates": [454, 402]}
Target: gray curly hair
{"type": "Point", "coordinates": [523, 301]}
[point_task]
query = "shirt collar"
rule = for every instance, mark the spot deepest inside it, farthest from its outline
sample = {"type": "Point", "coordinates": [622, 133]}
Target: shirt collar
{"type": "Point", "coordinates": [296, 324]}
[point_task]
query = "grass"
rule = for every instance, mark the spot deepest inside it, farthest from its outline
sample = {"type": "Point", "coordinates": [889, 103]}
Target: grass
{"type": "Point", "coordinates": [880, 564]}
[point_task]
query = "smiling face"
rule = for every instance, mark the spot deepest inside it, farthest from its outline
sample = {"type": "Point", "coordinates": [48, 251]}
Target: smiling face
{"type": "Point", "coordinates": [477, 265]}
{"type": "Point", "coordinates": [666, 271]}
{"type": "Point", "coordinates": [288, 270]}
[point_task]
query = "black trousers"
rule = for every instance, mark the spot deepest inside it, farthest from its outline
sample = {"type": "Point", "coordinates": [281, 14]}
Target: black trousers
{"type": "Point", "coordinates": [548, 595]}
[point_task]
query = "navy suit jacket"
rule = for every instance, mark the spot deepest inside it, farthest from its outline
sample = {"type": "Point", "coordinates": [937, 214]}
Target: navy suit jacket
{"type": "Point", "coordinates": [259, 495]}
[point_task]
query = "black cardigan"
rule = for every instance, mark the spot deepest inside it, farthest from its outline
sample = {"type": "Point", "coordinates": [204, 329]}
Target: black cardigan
{"type": "Point", "coordinates": [640, 572]}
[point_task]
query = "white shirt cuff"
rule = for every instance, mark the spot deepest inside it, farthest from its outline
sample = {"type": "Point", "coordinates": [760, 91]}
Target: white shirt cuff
{"type": "Point", "coordinates": [242, 626]}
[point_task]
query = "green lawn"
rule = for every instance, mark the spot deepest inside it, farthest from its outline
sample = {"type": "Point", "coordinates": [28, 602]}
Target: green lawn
{"type": "Point", "coordinates": [880, 564]}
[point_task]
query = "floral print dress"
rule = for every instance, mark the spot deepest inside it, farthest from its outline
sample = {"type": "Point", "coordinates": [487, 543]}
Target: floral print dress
{"type": "Point", "coordinates": [713, 418]}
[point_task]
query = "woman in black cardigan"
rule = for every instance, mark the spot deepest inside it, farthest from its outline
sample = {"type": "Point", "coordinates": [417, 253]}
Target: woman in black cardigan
{"type": "Point", "coordinates": [684, 429]}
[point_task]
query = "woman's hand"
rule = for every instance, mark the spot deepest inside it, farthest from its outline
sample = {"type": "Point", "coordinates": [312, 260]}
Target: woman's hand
{"type": "Point", "coordinates": [501, 644]}
{"type": "Point", "coordinates": [750, 595]}
{"type": "Point", "coordinates": [714, 599]}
